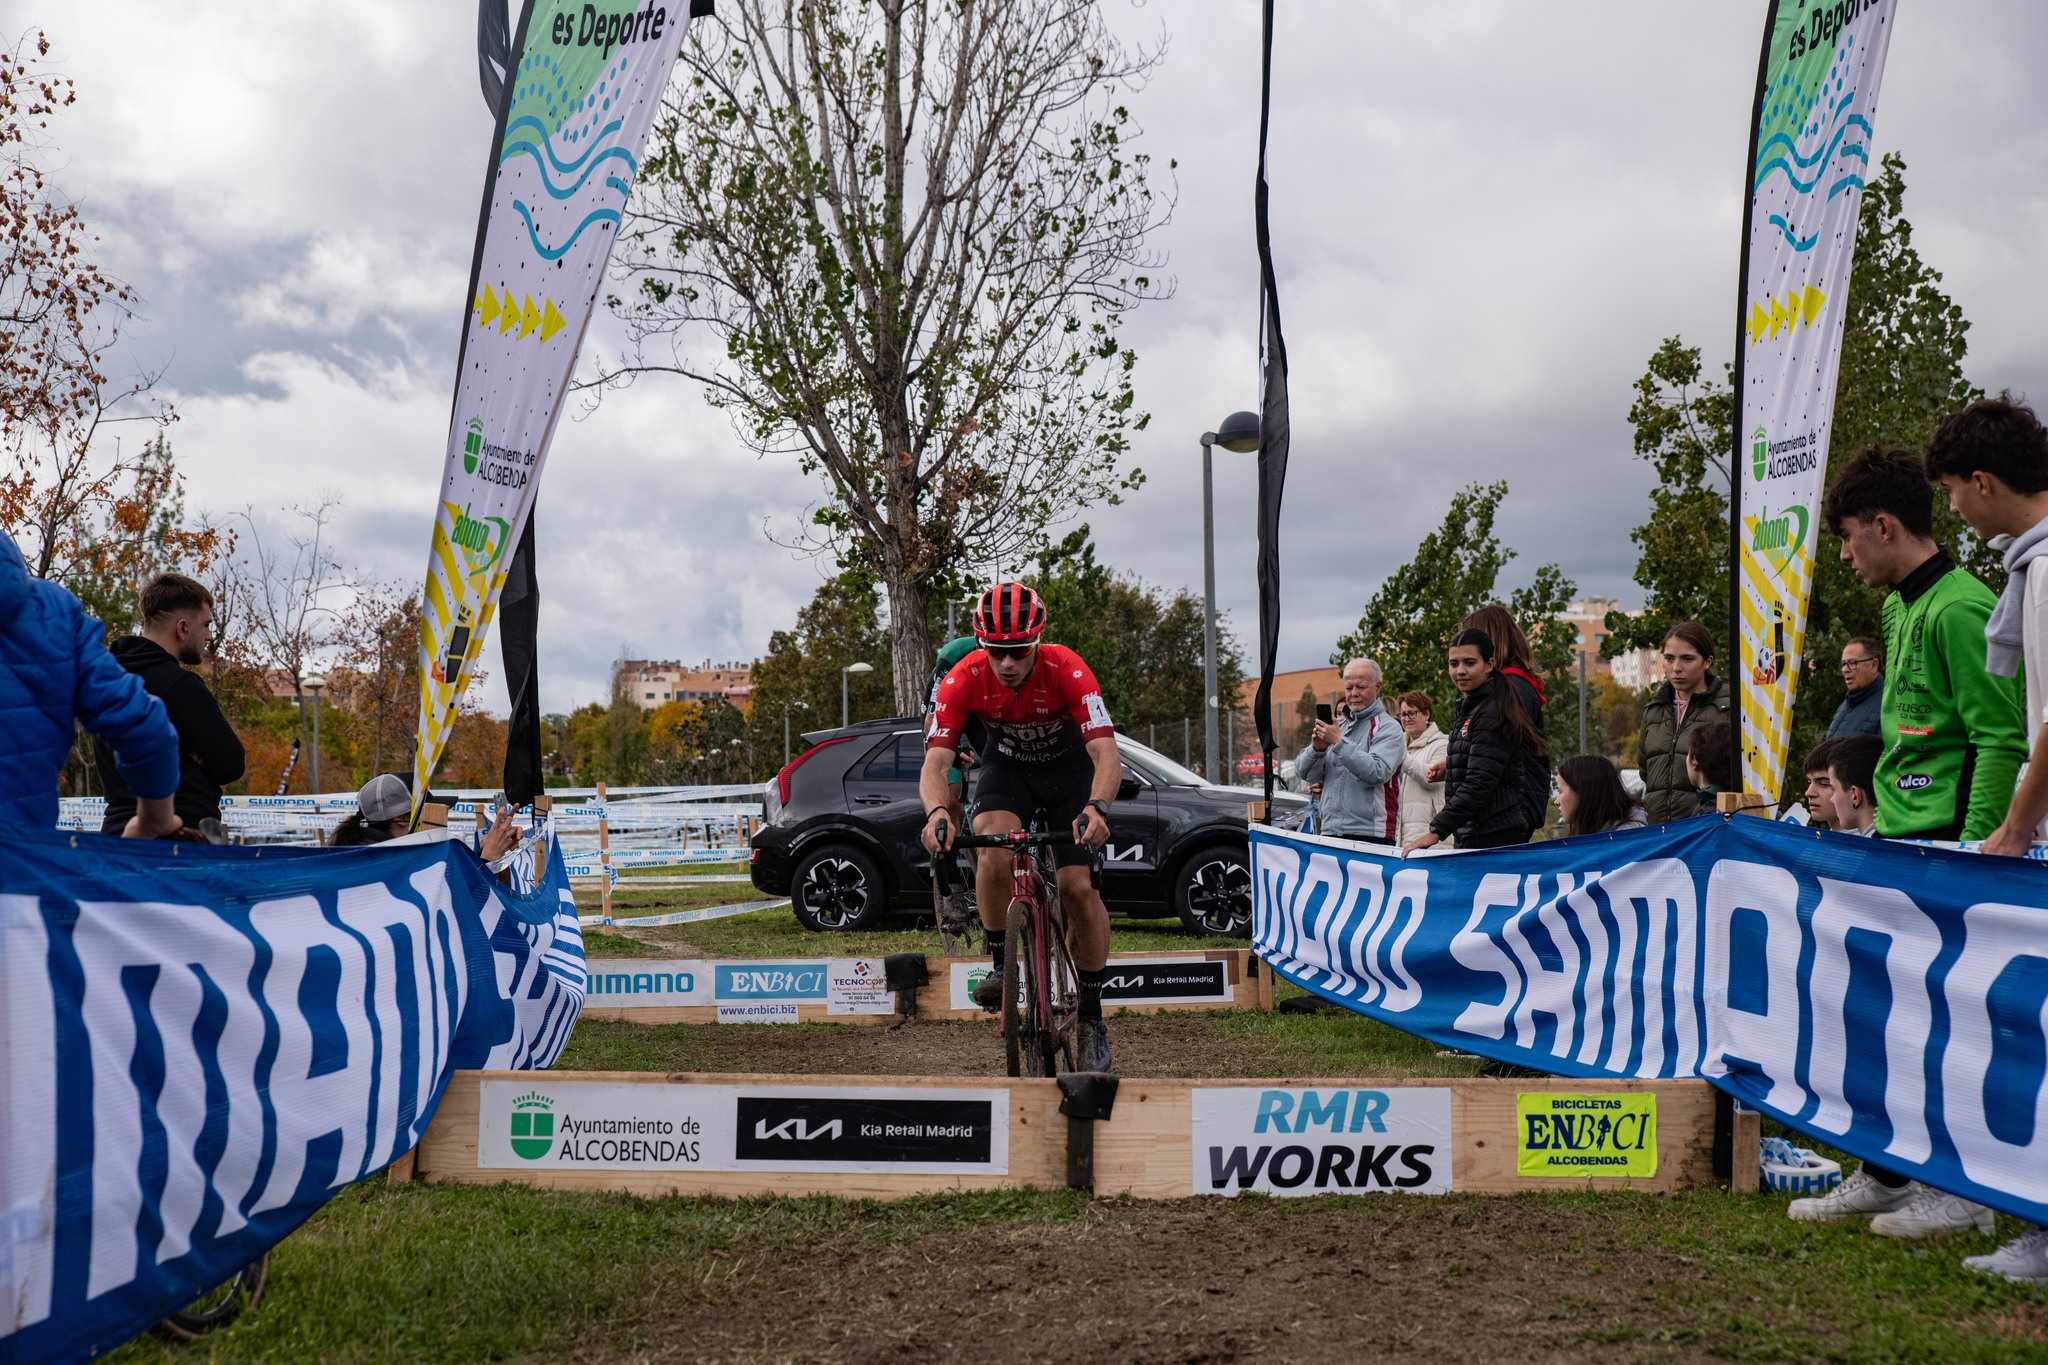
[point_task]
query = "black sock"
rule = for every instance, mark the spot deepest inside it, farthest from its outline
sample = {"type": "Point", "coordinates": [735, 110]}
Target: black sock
{"type": "Point", "coordinates": [1091, 991]}
{"type": "Point", "coordinates": [995, 939]}
{"type": "Point", "coordinates": [1891, 1180]}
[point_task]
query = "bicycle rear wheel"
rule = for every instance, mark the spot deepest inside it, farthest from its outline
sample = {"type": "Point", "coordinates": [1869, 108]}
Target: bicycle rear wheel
{"type": "Point", "coordinates": [221, 1305]}
{"type": "Point", "coordinates": [1018, 1037]}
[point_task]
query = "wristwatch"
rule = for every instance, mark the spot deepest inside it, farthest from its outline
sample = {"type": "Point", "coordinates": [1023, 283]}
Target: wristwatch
{"type": "Point", "coordinates": [1100, 805]}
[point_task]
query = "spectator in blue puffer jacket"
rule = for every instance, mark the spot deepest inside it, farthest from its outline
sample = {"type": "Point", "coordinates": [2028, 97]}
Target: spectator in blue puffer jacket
{"type": "Point", "coordinates": [55, 672]}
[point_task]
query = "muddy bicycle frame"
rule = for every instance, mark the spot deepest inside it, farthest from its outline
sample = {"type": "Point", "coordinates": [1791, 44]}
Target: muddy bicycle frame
{"type": "Point", "coordinates": [1041, 1010]}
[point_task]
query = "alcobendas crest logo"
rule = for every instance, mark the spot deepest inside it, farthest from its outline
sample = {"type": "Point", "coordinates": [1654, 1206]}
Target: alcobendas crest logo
{"type": "Point", "coordinates": [533, 1125]}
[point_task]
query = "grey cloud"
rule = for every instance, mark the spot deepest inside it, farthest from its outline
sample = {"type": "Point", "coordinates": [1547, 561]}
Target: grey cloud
{"type": "Point", "coordinates": [1486, 217]}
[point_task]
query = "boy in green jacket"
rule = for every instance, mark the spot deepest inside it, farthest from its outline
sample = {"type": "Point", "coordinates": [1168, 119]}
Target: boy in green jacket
{"type": "Point", "coordinates": [1954, 733]}
{"type": "Point", "coordinates": [1953, 741]}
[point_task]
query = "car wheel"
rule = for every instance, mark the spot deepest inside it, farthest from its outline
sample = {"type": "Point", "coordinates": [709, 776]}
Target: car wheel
{"type": "Point", "coordinates": [1214, 892]}
{"type": "Point", "coordinates": [837, 889]}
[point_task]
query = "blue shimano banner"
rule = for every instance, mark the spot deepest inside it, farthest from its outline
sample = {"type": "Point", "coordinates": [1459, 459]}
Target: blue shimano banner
{"type": "Point", "coordinates": [198, 1046]}
{"type": "Point", "coordinates": [1891, 998]}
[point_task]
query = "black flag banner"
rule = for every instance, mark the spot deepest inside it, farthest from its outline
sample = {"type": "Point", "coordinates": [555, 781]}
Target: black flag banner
{"type": "Point", "coordinates": [1273, 430]}
{"type": "Point", "coordinates": [519, 642]}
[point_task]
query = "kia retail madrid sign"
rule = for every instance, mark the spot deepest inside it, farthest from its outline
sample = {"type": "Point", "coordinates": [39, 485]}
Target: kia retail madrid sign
{"type": "Point", "coordinates": [855, 1130]}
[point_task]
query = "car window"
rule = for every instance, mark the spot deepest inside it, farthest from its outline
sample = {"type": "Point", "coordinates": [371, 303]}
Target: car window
{"type": "Point", "coordinates": [898, 762]}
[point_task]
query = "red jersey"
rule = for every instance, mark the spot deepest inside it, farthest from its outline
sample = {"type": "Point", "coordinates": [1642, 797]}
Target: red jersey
{"type": "Point", "coordinates": [1057, 710]}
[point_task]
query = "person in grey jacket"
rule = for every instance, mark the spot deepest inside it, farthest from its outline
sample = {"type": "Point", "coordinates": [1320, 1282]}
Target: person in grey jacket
{"type": "Point", "coordinates": [1863, 679]}
{"type": "Point", "coordinates": [1357, 759]}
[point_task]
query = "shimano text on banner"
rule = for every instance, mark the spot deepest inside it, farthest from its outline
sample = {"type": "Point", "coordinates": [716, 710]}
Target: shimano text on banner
{"type": "Point", "coordinates": [1889, 998]}
{"type": "Point", "coordinates": [1808, 158]}
{"type": "Point", "coordinates": [583, 91]}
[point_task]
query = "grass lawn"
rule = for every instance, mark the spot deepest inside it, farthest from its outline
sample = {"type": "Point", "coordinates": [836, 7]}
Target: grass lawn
{"type": "Point", "coordinates": [466, 1273]}
{"type": "Point", "coordinates": [1231, 1043]}
{"type": "Point", "coordinates": [662, 900]}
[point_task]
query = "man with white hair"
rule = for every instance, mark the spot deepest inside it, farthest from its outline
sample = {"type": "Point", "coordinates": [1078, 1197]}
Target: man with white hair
{"type": "Point", "coordinates": [1357, 759]}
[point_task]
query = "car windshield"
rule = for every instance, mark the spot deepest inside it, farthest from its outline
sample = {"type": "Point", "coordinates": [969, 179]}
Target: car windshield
{"type": "Point", "coordinates": [1161, 767]}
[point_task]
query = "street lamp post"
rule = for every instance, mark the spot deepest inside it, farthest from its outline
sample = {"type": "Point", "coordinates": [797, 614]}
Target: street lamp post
{"type": "Point", "coordinates": [799, 705]}
{"type": "Point", "coordinates": [313, 684]}
{"type": "Point", "coordinates": [1238, 432]}
{"type": "Point", "coordinates": [844, 673]}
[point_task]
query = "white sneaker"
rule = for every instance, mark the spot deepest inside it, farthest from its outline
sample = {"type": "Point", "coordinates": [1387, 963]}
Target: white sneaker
{"type": "Point", "coordinates": [1858, 1196]}
{"type": "Point", "coordinates": [1932, 1213]}
{"type": "Point", "coordinates": [2024, 1258]}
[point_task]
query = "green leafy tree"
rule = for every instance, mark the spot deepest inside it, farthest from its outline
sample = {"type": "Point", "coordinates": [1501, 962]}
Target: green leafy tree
{"type": "Point", "coordinates": [1903, 345]}
{"type": "Point", "coordinates": [800, 671]}
{"type": "Point", "coordinates": [1408, 623]}
{"type": "Point", "coordinates": [1143, 643]}
{"type": "Point", "coordinates": [914, 231]}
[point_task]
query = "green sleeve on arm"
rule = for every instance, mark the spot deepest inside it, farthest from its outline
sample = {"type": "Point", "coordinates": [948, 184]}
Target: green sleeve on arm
{"type": "Point", "coordinates": [1992, 713]}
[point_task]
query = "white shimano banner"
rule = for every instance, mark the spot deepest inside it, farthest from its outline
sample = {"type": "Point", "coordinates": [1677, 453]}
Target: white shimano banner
{"type": "Point", "coordinates": [202, 1044]}
{"type": "Point", "coordinates": [586, 80]}
{"type": "Point", "coordinates": [1822, 65]}
{"type": "Point", "coordinates": [1890, 997]}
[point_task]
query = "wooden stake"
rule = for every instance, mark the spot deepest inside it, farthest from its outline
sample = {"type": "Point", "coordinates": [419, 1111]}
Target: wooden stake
{"type": "Point", "coordinates": [604, 855]}
{"type": "Point", "coordinates": [433, 815]}
{"type": "Point", "coordinates": [1745, 1172]}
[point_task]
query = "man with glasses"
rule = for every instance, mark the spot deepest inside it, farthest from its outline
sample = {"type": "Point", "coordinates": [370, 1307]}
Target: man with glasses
{"type": "Point", "coordinates": [1356, 758]}
{"type": "Point", "coordinates": [1863, 681]}
{"type": "Point", "coordinates": [1050, 746]}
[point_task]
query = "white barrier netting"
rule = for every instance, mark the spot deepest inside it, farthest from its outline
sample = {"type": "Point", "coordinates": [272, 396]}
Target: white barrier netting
{"type": "Point", "coordinates": [649, 827]}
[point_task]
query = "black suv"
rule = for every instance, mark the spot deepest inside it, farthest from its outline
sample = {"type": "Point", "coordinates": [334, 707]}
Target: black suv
{"type": "Point", "coordinates": [844, 820]}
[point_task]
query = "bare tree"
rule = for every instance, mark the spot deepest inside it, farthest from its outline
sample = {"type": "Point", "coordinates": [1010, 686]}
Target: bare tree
{"type": "Point", "coordinates": [292, 592]}
{"type": "Point", "coordinates": [914, 228]}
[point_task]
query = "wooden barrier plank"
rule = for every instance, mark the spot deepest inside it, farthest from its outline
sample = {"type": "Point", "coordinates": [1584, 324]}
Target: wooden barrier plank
{"type": "Point", "coordinates": [1145, 1150]}
{"type": "Point", "coordinates": [1037, 1140]}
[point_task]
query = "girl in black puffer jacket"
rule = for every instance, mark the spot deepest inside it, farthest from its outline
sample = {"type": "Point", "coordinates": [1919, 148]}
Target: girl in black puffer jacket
{"type": "Point", "coordinates": [1497, 756]}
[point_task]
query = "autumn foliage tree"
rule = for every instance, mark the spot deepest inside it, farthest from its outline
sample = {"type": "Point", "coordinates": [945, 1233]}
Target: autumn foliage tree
{"type": "Point", "coordinates": [85, 501]}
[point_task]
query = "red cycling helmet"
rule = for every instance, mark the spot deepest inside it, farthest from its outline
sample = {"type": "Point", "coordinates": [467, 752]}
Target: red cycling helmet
{"type": "Point", "coordinates": [1008, 614]}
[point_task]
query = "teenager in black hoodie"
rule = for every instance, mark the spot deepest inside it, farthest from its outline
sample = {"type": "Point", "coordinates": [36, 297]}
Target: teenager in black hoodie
{"type": "Point", "coordinates": [177, 616]}
{"type": "Point", "coordinates": [1494, 751]}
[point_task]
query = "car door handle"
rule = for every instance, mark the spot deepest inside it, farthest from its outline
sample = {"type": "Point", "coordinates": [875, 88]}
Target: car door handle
{"type": "Point", "coordinates": [870, 800]}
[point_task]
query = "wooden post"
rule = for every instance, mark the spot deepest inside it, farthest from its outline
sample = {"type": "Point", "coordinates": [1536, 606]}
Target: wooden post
{"type": "Point", "coordinates": [402, 1170]}
{"type": "Point", "coordinates": [542, 804]}
{"type": "Point", "coordinates": [1745, 1167]}
{"type": "Point", "coordinates": [433, 815]}
{"type": "Point", "coordinates": [604, 856]}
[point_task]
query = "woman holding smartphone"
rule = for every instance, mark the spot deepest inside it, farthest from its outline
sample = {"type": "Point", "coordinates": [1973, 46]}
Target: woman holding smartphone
{"type": "Point", "coordinates": [1496, 752]}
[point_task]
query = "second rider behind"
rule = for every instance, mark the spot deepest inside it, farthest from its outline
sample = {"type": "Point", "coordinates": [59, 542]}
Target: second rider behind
{"type": "Point", "coordinates": [1051, 747]}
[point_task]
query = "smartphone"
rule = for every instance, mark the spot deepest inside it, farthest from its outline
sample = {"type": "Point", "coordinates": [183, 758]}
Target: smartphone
{"type": "Point", "coordinates": [1323, 713]}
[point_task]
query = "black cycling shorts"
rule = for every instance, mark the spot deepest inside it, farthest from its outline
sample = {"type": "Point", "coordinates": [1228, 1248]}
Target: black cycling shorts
{"type": "Point", "coordinates": [1060, 789]}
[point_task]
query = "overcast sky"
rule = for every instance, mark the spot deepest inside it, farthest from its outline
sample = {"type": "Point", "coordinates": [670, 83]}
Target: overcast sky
{"type": "Point", "coordinates": [1485, 217]}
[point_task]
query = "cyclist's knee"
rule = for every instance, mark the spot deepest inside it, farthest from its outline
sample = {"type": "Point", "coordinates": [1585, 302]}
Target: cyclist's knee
{"type": "Point", "coordinates": [996, 822]}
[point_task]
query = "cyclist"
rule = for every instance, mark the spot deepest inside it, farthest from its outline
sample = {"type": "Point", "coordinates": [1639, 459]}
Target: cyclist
{"type": "Point", "coordinates": [1050, 746]}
